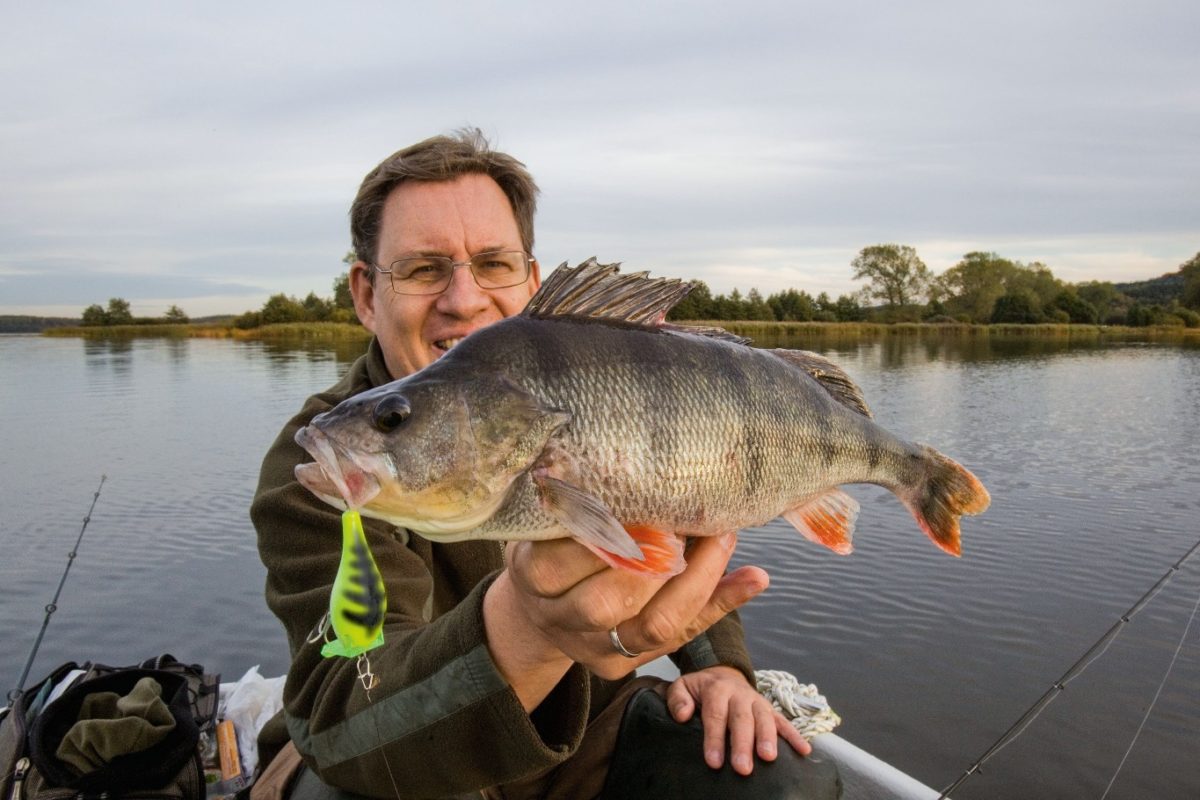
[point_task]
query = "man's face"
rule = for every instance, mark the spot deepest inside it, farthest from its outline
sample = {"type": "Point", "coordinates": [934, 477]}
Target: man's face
{"type": "Point", "coordinates": [458, 219]}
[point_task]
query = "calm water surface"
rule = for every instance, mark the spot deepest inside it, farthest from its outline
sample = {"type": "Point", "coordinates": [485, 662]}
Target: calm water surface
{"type": "Point", "coordinates": [1092, 456]}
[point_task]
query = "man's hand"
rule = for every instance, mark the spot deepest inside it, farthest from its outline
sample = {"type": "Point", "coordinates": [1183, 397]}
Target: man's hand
{"type": "Point", "coordinates": [728, 703]}
{"type": "Point", "coordinates": [556, 602]}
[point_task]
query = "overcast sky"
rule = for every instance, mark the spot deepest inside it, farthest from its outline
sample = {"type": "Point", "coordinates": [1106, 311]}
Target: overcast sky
{"type": "Point", "coordinates": [206, 154]}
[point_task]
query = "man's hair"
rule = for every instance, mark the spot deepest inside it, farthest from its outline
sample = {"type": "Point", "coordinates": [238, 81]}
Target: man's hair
{"type": "Point", "coordinates": [441, 158]}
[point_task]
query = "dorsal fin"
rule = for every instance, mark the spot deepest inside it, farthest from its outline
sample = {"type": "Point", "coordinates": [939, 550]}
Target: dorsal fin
{"type": "Point", "coordinates": [830, 376]}
{"type": "Point", "coordinates": [599, 291]}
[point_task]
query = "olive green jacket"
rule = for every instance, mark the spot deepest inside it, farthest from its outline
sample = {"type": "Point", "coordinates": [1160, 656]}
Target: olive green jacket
{"type": "Point", "coordinates": [441, 715]}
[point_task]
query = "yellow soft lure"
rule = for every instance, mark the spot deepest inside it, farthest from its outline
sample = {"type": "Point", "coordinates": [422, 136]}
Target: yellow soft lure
{"type": "Point", "coordinates": [358, 601]}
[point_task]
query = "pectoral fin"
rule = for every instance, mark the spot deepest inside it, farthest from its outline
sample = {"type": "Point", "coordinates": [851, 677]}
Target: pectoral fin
{"type": "Point", "coordinates": [637, 548]}
{"type": "Point", "coordinates": [586, 517]}
{"type": "Point", "coordinates": [827, 519]}
{"type": "Point", "coordinates": [662, 553]}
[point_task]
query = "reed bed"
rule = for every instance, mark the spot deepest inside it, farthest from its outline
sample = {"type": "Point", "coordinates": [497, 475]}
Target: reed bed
{"type": "Point", "coordinates": [348, 332]}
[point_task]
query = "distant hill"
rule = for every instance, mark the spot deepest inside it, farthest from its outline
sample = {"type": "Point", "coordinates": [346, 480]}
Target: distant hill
{"type": "Point", "coordinates": [1158, 291]}
{"type": "Point", "coordinates": [19, 323]}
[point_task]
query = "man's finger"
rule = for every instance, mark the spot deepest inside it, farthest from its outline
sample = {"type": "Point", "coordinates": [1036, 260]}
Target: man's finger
{"type": "Point", "coordinates": [714, 716]}
{"type": "Point", "coordinates": [551, 568]}
{"type": "Point", "coordinates": [787, 731]}
{"type": "Point", "coordinates": [668, 617]}
{"type": "Point", "coordinates": [680, 701]}
{"type": "Point", "coordinates": [741, 736]}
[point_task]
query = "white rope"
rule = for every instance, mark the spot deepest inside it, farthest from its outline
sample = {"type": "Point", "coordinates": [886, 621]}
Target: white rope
{"type": "Point", "coordinates": [802, 704]}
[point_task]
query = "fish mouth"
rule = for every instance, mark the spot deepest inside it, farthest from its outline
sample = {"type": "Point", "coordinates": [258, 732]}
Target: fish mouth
{"type": "Point", "coordinates": [340, 477]}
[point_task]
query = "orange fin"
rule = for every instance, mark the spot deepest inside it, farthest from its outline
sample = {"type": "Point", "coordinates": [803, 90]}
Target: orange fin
{"type": "Point", "coordinates": [948, 491]}
{"type": "Point", "coordinates": [585, 516]}
{"type": "Point", "coordinates": [827, 519]}
{"type": "Point", "coordinates": [662, 553]}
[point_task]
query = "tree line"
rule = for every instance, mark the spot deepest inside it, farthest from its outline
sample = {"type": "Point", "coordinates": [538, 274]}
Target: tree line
{"type": "Point", "coordinates": [984, 287]}
{"type": "Point", "coordinates": [117, 312]}
{"type": "Point", "coordinates": [981, 288]}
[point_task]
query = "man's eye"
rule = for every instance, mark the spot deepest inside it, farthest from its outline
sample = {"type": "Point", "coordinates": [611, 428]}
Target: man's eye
{"type": "Point", "coordinates": [421, 271]}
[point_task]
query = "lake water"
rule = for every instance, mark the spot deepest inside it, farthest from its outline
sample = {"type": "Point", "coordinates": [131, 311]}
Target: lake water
{"type": "Point", "coordinates": [1091, 454]}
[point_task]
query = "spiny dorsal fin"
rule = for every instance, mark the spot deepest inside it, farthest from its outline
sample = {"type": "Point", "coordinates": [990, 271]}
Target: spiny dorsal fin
{"type": "Point", "coordinates": [598, 290]}
{"type": "Point", "coordinates": [830, 376]}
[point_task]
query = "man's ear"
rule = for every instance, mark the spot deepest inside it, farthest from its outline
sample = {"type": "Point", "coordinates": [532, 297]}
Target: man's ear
{"type": "Point", "coordinates": [535, 273]}
{"type": "Point", "coordinates": [363, 292]}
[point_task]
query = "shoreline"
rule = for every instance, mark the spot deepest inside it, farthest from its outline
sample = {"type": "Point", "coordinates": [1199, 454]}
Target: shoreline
{"type": "Point", "coordinates": [341, 331]}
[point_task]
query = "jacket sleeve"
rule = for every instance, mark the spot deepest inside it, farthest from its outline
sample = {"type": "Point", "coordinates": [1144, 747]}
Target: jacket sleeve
{"type": "Point", "coordinates": [440, 720]}
{"type": "Point", "coordinates": [723, 644]}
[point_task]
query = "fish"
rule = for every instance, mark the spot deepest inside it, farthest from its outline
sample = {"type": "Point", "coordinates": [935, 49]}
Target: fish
{"type": "Point", "coordinates": [588, 415]}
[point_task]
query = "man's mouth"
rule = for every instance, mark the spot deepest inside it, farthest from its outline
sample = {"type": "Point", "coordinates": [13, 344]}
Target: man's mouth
{"type": "Point", "coordinates": [446, 344]}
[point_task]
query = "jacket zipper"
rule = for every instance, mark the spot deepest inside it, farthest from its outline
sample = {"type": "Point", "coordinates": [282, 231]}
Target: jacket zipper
{"type": "Point", "coordinates": [19, 778]}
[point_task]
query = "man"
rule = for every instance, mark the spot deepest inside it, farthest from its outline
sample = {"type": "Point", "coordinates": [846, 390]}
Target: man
{"type": "Point", "coordinates": [502, 667]}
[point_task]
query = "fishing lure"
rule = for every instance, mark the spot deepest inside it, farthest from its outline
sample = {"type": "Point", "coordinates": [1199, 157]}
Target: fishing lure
{"type": "Point", "coordinates": [358, 601]}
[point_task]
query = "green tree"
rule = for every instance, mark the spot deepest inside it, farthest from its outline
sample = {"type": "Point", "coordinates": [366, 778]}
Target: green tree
{"type": "Point", "coordinates": [1076, 308]}
{"type": "Point", "coordinates": [94, 315]}
{"type": "Point", "coordinates": [342, 298]}
{"type": "Point", "coordinates": [974, 284]}
{"type": "Point", "coordinates": [756, 307]}
{"type": "Point", "coordinates": [1102, 296]}
{"type": "Point", "coordinates": [897, 275]}
{"type": "Point", "coordinates": [697, 304]}
{"type": "Point", "coordinates": [118, 312]}
{"type": "Point", "coordinates": [1037, 278]}
{"type": "Point", "coordinates": [1191, 282]}
{"type": "Point", "coordinates": [175, 315]}
{"type": "Point", "coordinates": [1017, 305]}
{"type": "Point", "coordinates": [281, 308]}
{"type": "Point", "coordinates": [791, 305]}
{"type": "Point", "coordinates": [847, 309]}
{"type": "Point", "coordinates": [317, 309]}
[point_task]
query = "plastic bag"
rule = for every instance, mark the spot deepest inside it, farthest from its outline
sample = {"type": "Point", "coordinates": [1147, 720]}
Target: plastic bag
{"type": "Point", "coordinates": [250, 703]}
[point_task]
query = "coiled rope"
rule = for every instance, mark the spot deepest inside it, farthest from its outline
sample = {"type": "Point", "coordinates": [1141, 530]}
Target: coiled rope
{"type": "Point", "coordinates": [801, 703]}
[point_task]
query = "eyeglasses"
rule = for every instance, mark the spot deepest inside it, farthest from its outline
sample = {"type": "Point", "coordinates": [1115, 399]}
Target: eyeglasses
{"type": "Point", "coordinates": [432, 274]}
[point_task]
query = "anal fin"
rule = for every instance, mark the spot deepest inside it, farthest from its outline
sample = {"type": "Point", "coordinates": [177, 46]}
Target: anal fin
{"type": "Point", "coordinates": [827, 519]}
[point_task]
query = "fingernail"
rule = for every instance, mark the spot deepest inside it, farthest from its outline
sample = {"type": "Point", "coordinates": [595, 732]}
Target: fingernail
{"type": "Point", "coordinates": [767, 749]}
{"type": "Point", "coordinates": [713, 758]}
{"type": "Point", "coordinates": [741, 763]}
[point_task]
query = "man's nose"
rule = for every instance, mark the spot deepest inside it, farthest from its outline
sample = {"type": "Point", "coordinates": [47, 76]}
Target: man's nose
{"type": "Point", "coordinates": [463, 297]}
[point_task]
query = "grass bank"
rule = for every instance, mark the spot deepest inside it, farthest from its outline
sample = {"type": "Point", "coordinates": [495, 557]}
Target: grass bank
{"type": "Point", "coordinates": [346, 332]}
{"type": "Point", "coordinates": [317, 331]}
{"type": "Point", "coordinates": [878, 330]}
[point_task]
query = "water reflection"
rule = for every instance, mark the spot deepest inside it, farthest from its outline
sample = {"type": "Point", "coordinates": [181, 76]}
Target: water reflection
{"type": "Point", "coordinates": [115, 354]}
{"type": "Point", "coordinates": [904, 349]}
{"type": "Point", "coordinates": [177, 349]}
{"type": "Point", "coordinates": [287, 351]}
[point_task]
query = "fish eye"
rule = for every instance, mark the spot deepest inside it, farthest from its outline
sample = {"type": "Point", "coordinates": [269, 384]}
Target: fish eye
{"type": "Point", "coordinates": [391, 411]}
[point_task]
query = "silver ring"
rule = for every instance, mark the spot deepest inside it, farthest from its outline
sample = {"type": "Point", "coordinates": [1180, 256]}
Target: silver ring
{"type": "Point", "coordinates": [616, 643]}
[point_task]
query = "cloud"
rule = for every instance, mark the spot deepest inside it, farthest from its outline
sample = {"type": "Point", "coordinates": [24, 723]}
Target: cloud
{"type": "Point", "coordinates": [760, 142]}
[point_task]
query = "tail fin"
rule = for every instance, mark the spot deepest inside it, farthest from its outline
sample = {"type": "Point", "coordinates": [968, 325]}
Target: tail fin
{"type": "Point", "coordinates": [947, 492]}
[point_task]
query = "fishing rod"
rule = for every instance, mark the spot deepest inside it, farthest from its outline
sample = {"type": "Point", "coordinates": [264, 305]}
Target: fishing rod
{"type": "Point", "coordinates": [1084, 661]}
{"type": "Point", "coordinates": [53, 605]}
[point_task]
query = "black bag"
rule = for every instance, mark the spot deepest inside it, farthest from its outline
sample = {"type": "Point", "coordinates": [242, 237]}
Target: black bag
{"type": "Point", "coordinates": [657, 758]}
{"type": "Point", "coordinates": [32, 732]}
